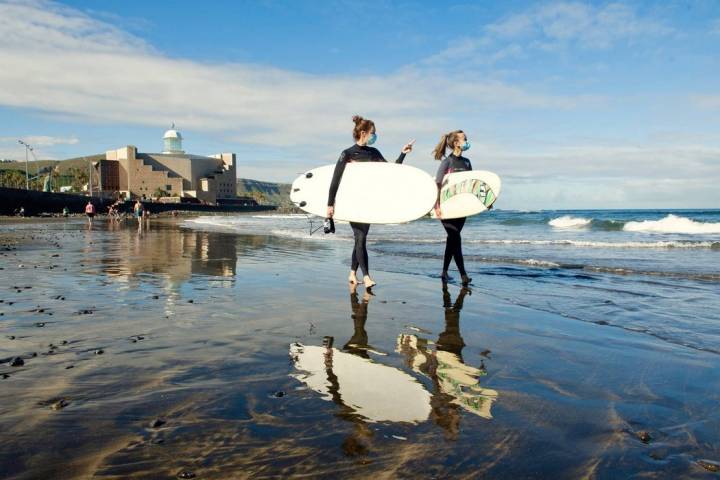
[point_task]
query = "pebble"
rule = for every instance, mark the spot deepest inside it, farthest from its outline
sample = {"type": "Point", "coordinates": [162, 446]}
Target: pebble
{"type": "Point", "coordinates": [40, 324]}
{"type": "Point", "coordinates": [157, 423]}
{"type": "Point", "coordinates": [17, 362]}
{"type": "Point", "coordinates": [644, 436]}
{"type": "Point", "coordinates": [99, 351]}
{"type": "Point", "coordinates": [5, 375]}
{"type": "Point", "coordinates": [186, 474]}
{"type": "Point", "coordinates": [191, 301]}
{"type": "Point", "coordinates": [69, 367]}
{"type": "Point", "coordinates": [60, 404]}
{"type": "Point", "coordinates": [279, 394]}
{"type": "Point", "coordinates": [709, 465]}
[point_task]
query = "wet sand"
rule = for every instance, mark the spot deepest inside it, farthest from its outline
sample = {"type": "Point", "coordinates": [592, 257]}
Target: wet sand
{"type": "Point", "coordinates": [173, 353]}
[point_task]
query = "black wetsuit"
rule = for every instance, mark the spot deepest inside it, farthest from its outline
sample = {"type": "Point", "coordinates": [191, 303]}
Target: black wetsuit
{"type": "Point", "coordinates": [357, 153]}
{"type": "Point", "coordinates": [453, 226]}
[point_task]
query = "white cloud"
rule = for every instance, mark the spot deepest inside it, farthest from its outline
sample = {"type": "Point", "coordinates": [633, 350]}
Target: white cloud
{"type": "Point", "coordinates": [60, 60]}
{"type": "Point", "coordinates": [706, 102]}
{"type": "Point", "coordinates": [550, 26]}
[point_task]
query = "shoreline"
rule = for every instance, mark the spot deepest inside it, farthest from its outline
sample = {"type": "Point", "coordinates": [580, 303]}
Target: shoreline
{"type": "Point", "coordinates": [195, 330]}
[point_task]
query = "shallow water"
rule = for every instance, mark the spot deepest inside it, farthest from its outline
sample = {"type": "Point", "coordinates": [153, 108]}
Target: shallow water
{"type": "Point", "coordinates": [262, 363]}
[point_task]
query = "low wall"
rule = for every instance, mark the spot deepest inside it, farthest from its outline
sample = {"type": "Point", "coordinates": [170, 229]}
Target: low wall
{"type": "Point", "coordinates": [36, 203]}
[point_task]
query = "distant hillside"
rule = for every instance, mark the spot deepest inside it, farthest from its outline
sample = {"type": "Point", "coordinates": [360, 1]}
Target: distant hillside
{"type": "Point", "coordinates": [266, 193]}
{"type": "Point", "coordinates": [65, 166]}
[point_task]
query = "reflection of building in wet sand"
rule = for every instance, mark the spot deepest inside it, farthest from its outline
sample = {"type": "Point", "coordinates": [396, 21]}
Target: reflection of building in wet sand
{"type": "Point", "coordinates": [178, 255]}
{"type": "Point", "coordinates": [445, 366]}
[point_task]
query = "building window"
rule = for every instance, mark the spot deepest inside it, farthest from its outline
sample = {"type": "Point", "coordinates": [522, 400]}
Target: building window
{"type": "Point", "coordinates": [168, 187]}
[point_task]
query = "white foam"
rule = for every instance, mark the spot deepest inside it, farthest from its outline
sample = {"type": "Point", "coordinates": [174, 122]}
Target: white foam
{"type": "Point", "coordinates": [590, 244]}
{"type": "Point", "coordinates": [673, 224]}
{"type": "Point", "coordinates": [569, 222]}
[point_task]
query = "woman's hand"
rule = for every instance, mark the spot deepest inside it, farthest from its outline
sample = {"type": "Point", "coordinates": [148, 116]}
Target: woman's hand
{"type": "Point", "coordinates": [408, 147]}
{"type": "Point", "coordinates": [330, 212]}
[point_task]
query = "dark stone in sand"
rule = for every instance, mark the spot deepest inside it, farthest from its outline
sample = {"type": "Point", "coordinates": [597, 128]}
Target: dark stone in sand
{"type": "Point", "coordinates": [64, 342]}
{"type": "Point", "coordinates": [158, 441]}
{"type": "Point", "coordinates": [5, 375]}
{"type": "Point", "coordinates": [34, 354]}
{"type": "Point", "coordinates": [709, 465]}
{"type": "Point", "coordinates": [186, 474]}
{"type": "Point", "coordinates": [17, 362]}
{"type": "Point", "coordinates": [85, 312]}
{"type": "Point", "coordinates": [11, 337]}
{"type": "Point", "coordinates": [69, 367]}
{"type": "Point", "coordinates": [99, 351]}
{"type": "Point", "coordinates": [191, 301]}
{"type": "Point", "coordinates": [55, 255]}
{"type": "Point", "coordinates": [155, 297]}
{"type": "Point", "coordinates": [40, 324]}
{"type": "Point", "coordinates": [644, 436]}
{"type": "Point", "coordinates": [602, 322]}
{"type": "Point", "coordinates": [279, 394]}
{"type": "Point", "coordinates": [157, 423]}
{"type": "Point", "coordinates": [486, 353]}
{"type": "Point", "coordinates": [60, 404]}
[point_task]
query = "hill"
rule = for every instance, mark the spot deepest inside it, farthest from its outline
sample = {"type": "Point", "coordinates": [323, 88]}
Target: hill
{"type": "Point", "coordinates": [265, 193]}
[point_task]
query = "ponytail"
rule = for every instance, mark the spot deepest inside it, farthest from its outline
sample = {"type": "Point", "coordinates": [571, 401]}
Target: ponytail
{"type": "Point", "coordinates": [446, 141]}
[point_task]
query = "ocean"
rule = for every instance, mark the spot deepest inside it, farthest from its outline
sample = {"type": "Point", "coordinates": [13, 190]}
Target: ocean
{"type": "Point", "coordinates": [651, 271]}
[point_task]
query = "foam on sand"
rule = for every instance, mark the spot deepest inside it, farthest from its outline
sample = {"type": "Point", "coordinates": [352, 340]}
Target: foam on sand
{"type": "Point", "coordinates": [673, 224]}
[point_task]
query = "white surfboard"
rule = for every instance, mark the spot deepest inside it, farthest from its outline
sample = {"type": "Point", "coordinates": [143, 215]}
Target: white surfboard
{"type": "Point", "coordinates": [369, 192]}
{"type": "Point", "coordinates": [377, 392]}
{"type": "Point", "coordinates": [463, 194]}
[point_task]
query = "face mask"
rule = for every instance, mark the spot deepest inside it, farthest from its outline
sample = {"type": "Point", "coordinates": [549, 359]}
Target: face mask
{"type": "Point", "coordinates": [465, 146]}
{"type": "Point", "coordinates": [372, 139]}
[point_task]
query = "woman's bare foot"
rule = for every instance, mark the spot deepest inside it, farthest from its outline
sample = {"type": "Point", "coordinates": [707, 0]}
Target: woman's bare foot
{"type": "Point", "coordinates": [369, 282]}
{"type": "Point", "coordinates": [466, 280]}
{"type": "Point", "coordinates": [352, 278]}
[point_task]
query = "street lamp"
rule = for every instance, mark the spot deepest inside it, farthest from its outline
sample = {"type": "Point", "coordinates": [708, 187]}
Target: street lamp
{"type": "Point", "coordinates": [27, 176]}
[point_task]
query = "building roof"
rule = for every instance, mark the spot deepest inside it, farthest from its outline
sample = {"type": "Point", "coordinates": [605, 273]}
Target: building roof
{"type": "Point", "coordinates": [172, 133]}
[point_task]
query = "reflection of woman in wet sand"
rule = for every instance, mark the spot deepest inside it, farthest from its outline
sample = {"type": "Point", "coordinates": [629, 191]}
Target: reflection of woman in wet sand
{"type": "Point", "coordinates": [456, 384]}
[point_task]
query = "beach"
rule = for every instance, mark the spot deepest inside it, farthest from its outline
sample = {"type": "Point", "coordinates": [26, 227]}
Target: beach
{"type": "Point", "coordinates": [232, 347]}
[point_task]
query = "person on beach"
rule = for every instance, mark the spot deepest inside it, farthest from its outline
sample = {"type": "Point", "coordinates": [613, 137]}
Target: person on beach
{"type": "Point", "coordinates": [365, 135]}
{"type": "Point", "coordinates": [138, 210]}
{"type": "Point", "coordinates": [457, 142]}
{"type": "Point", "coordinates": [90, 212]}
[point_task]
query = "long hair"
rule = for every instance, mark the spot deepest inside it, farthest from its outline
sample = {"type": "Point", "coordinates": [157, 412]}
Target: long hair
{"type": "Point", "coordinates": [361, 125]}
{"type": "Point", "coordinates": [446, 141]}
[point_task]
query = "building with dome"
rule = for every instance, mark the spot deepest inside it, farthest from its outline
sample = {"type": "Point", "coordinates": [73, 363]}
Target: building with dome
{"type": "Point", "coordinates": [172, 174]}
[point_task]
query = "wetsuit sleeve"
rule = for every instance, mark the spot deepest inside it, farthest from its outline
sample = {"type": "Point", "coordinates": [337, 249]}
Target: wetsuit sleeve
{"type": "Point", "coordinates": [442, 170]}
{"type": "Point", "coordinates": [380, 157]}
{"type": "Point", "coordinates": [337, 176]}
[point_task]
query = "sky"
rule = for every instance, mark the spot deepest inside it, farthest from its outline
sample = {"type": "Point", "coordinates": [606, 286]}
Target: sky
{"type": "Point", "coordinates": [574, 104]}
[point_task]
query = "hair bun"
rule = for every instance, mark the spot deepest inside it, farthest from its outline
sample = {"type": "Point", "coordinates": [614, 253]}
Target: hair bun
{"type": "Point", "coordinates": [357, 119]}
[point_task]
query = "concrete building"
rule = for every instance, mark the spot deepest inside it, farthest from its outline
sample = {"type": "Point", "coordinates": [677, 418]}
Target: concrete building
{"type": "Point", "coordinates": [172, 173]}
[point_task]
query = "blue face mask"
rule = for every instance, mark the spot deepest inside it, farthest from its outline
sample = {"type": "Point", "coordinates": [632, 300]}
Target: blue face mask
{"type": "Point", "coordinates": [465, 146]}
{"type": "Point", "coordinates": [372, 139]}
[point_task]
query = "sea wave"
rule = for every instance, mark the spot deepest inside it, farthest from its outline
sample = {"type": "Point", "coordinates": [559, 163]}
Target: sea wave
{"type": "Point", "coordinates": [593, 244]}
{"type": "Point", "coordinates": [569, 222]}
{"type": "Point", "coordinates": [673, 224]}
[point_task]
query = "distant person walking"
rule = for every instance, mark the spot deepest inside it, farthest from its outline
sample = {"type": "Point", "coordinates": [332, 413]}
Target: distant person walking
{"type": "Point", "coordinates": [90, 212]}
{"type": "Point", "coordinates": [457, 142]}
{"type": "Point", "coordinates": [138, 210]}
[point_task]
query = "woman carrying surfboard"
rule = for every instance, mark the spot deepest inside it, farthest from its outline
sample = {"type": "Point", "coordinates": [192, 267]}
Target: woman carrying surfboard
{"type": "Point", "coordinates": [364, 135]}
{"type": "Point", "coordinates": [457, 142]}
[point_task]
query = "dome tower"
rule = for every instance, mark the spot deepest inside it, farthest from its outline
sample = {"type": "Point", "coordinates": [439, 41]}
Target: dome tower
{"type": "Point", "coordinates": [172, 141]}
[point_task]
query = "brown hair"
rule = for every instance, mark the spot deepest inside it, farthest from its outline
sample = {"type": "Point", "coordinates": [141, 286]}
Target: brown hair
{"type": "Point", "coordinates": [361, 125]}
{"type": "Point", "coordinates": [446, 141]}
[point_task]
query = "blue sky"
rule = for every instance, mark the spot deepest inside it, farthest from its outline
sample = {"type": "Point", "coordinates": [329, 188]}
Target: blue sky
{"type": "Point", "coordinates": [574, 104]}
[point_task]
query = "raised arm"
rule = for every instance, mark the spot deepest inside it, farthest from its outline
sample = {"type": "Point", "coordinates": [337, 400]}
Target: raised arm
{"type": "Point", "coordinates": [337, 176]}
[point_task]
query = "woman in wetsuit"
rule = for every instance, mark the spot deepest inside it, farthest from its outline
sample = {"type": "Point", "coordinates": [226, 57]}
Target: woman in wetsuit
{"type": "Point", "coordinates": [364, 135]}
{"type": "Point", "coordinates": [457, 142]}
